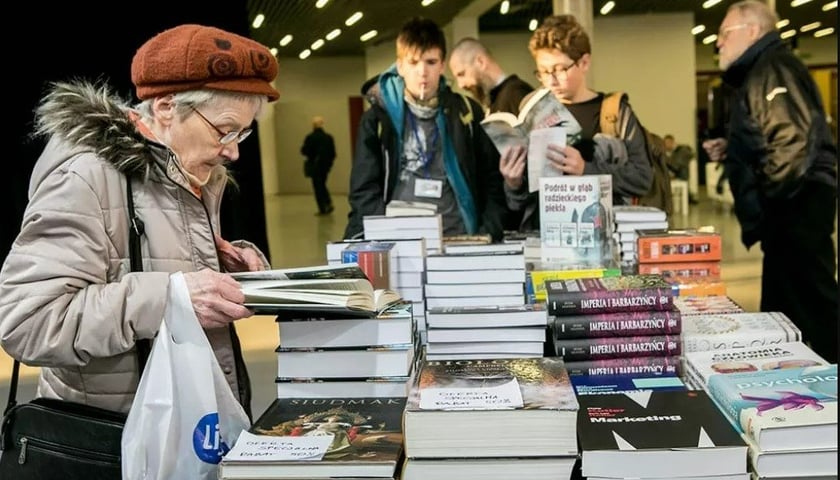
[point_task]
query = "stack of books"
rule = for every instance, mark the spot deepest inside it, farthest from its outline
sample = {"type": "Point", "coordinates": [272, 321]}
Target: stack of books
{"type": "Point", "coordinates": [327, 354]}
{"type": "Point", "coordinates": [491, 420]}
{"type": "Point", "coordinates": [407, 277]}
{"type": "Point", "coordinates": [477, 278]}
{"type": "Point", "coordinates": [688, 259]}
{"type": "Point", "coordinates": [627, 219]}
{"type": "Point", "coordinates": [537, 273]}
{"type": "Point", "coordinates": [625, 324]}
{"type": "Point", "coordinates": [466, 333]}
{"type": "Point", "coordinates": [787, 416]}
{"type": "Point", "coordinates": [711, 304]}
{"type": "Point", "coordinates": [427, 227]}
{"type": "Point", "coordinates": [737, 330]}
{"type": "Point", "coordinates": [309, 438]}
{"type": "Point", "coordinates": [657, 434]}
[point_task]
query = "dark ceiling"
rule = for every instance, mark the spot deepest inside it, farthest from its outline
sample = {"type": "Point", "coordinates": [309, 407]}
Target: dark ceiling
{"type": "Point", "coordinates": [306, 23]}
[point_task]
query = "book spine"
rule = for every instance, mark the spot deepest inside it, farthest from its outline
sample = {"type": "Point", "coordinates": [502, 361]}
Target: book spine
{"type": "Point", "coordinates": [620, 366]}
{"type": "Point", "coordinates": [609, 301]}
{"type": "Point", "coordinates": [751, 339]}
{"type": "Point", "coordinates": [621, 324]}
{"type": "Point", "coordinates": [580, 349]}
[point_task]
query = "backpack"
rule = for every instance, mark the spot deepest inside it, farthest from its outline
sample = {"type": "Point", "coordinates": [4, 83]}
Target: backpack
{"type": "Point", "coordinates": [659, 195]}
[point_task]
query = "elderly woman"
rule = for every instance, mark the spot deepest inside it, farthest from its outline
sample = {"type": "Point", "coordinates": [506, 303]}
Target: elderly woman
{"type": "Point", "coordinates": [69, 300]}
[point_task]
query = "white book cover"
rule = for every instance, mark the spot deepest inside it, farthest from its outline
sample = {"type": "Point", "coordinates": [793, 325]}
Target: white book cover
{"type": "Point", "coordinates": [377, 223]}
{"type": "Point", "coordinates": [638, 213]}
{"type": "Point", "coordinates": [751, 359]}
{"type": "Point", "coordinates": [498, 301]}
{"type": "Point", "coordinates": [538, 164]}
{"type": "Point", "coordinates": [575, 217]}
{"type": "Point", "coordinates": [736, 330]}
{"type": "Point", "coordinates": [476, 261]}
{"type": "Point", "coordinates": [475, 276]}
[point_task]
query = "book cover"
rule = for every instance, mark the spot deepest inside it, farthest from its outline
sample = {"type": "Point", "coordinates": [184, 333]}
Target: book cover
{"type": "Point", "coordinates": [611, 294]}
{"type": "Point", "coordinates": [376, 259]}
{"type": "Point", "coordinates": [657, 246]}
{"type": "Point", "coordinates": [575, 218]}
{"type": "Point", "coordinates": [604, 348]}
{"type": "Point", "coordinates": [751, 359]}
{"type": "Point", "coordinates": [737, 330]}
{"type": "Point", "coordinates": [793, 408]}
{"type": "Point", "coordinates": [712, 304]}
{"type": "Point", "coordinates": [364, 430]}
{"type": "Point", "coordinates": [619, 434]}
{"type": "Point", "coordinates": [638, 213]}
{"type": "Point", "coordinates": [621, 366]}
{"type": "Point", "coordinates": [630, 382]}
{"type": "Point", "coordinates": [619, 324]}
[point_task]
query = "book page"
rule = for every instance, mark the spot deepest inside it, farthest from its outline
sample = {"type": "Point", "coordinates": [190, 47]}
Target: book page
{"type": "Point", "coordinates": [538, 164]}
{"type": "Point", "coordinates": [504, 135]}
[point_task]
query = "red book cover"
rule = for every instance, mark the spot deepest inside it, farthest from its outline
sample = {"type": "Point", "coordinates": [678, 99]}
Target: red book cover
{"type": "Point", "coordinates": [661, 246]}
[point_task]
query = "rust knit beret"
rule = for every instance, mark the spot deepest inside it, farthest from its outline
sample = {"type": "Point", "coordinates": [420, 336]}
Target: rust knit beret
{"type": "Point", "coordinates": [192, 57]}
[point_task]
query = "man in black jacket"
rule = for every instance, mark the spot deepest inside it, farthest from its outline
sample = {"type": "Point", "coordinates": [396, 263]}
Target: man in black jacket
{"type": "Point", "coordinates": [319, 150]}
{"type": "Point", "coordinates": [419, 141]}
{"type": "Point", "coordinates": [781, 163]}
{"type": "Point", "coordinates": [477, 72]}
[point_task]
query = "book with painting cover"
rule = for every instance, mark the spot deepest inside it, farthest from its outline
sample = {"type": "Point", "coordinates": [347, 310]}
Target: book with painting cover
{"type": "Point", "coordinates": [621, 366]}
{"type": "Point", "coordinates": [659, 246]}
{"type": "Point", "coordinates": [737, 330]}
{"type": "Point", "coordinates": [612, 294]}
{"type": "Point", "coordinates": [779, 410]}
{"type": "Point", "coordinates": [703, 365]}
{"type": "Point", "coordinates": [657, 434]}
{"type": "Point", "coordinates": [605, 348]}
{"type": "Point", "coordinates": [619, 324]}
{"type": "Point", "coordinates": [366, 439]}
{"type": "Point", "coordinates": [458, 408]}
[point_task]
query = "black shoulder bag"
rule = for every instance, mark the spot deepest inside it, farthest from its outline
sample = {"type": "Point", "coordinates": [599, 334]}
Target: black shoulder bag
{"type": "Point", "coordinates": [49, 439]}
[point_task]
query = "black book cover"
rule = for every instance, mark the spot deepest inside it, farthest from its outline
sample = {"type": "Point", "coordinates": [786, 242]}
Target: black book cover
{"type": "Point", "coordinates": [661, 420]}
{"type": "Point", "coordinates": [580, 349]}
{"type": "Point", "coordinates": [626, 293]}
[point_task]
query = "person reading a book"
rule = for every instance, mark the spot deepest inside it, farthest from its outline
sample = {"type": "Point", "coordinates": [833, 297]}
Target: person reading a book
{"type": "Point", "coordinates": [420, 141]}
{"type": "Point", "coordinates": [563, 57]}
{"type": "Point", "coordinates": [781, 163]}
{"type": "Point", "coordinates": [72, 299]}
{"type": "Point", "coordinates": [478, 72]}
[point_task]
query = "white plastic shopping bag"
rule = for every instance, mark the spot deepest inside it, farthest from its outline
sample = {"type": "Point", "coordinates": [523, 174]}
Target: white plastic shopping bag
{"type": "Point", "coordinates": [184, 417]}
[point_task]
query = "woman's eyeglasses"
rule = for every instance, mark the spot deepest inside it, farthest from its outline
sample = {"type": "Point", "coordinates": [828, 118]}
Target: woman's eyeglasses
{"type": "Point", "coordinates": [225, 138]}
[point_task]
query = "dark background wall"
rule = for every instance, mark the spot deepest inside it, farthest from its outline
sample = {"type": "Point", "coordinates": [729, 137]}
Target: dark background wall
{"type": "Point", "coordinates": [97, 40]}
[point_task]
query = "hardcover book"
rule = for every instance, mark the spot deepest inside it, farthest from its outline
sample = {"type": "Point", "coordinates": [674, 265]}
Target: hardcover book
{"type": "Point", "coordinates": [377, 259]}
{"type": "Point", "coordinates": [583, 349]}
{"type": "Point", "coordinates": [575, 218]}
{"type": "Point", "coordinates": [457, 427]}
{"type": "Point", "coordinates": [630, 382]}
{"type": "Point", "coordinates": [638, 213]}
{"type": "Point", "coordinates": [655, 434]}
{"type": "Point", "coordinates": [619, 324]}
{"type": "Point", "coordinates": [612, 294]}
{"type": "Point", "coordinates": [620, 366]}
{"type": "Point", "coordinates": [750, 359]}
{"type": "Point", "coordinates": [657, 246]}
{"type": "Point", "coordinates": [788, 409]}
{"type": "Point", "coordinates": [487, 317]}
{"type": "Point", "coordinates": [366, 438]}
{"type": "Point", "coordinates": [737, 330]}
{"type": "Point", "coordinates": [393, 326]}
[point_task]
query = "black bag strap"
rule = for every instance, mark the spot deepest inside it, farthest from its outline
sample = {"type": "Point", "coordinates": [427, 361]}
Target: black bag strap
{"type": "Point", "coordinates": [136, 229]}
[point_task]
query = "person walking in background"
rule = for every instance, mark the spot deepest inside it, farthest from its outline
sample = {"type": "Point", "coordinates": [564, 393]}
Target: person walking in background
{"type": "Point", "coordinates": [478, 72]}
{"type": "Point", "coordinates": [420, 141]}
{"type": "Point", "coordinates": [679, 158]}
{"type": "Point", "coordinates": [319, 150]}
{"type": "Point", "coordinates": [781, 163]}
{"type": "Point", "coordinates": [68, 302]}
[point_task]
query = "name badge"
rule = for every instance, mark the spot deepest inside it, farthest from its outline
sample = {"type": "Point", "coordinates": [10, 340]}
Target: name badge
{"type": "Point", "coordinates": [428, 188]}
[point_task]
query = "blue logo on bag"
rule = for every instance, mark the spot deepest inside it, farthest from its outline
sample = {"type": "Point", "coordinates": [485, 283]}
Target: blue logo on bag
{"type": "Point", "coordinates": [207, 439]}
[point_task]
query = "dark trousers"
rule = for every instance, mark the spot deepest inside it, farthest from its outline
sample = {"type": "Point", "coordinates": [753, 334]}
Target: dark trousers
{"type": "Point", "coordinates": [799, 266]}
{"type": "Point", "coordinates": [322, 195]}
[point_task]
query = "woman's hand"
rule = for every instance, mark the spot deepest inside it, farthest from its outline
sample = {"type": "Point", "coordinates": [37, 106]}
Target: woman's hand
{"type": "Point", "coordinates": [565, 159]}
{"type": "Point", "coordinates": [236, 259]}
{"type": "Point", "coordinates": [512, 166]}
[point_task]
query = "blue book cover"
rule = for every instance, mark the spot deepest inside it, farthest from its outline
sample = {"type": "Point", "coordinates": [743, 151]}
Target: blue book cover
{"type": "Point", "coordinates": [612, 384]}
{"type": "Point", "coordinates": [794, 408]}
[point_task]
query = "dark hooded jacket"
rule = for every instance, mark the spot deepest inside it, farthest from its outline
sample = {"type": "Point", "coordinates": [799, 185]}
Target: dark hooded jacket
{"type": "Point", "coordinates": [470, 158]}
{"type": "Point", "coordinates": [779, 139]}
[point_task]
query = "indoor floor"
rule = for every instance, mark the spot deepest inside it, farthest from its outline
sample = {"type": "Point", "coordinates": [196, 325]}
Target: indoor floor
{"type": "Point", "coordinates": [297, 237]}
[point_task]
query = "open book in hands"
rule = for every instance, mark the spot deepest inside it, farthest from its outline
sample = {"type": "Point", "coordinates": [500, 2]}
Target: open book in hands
{"type": "Point", "coordinates": [542, 120]}
{"type": "Point", "coordinates": [323, 288]}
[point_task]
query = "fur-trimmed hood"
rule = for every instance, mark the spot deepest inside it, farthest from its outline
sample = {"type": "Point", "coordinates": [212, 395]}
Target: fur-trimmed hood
{"type": "Point", "coordinates": [91, 117]}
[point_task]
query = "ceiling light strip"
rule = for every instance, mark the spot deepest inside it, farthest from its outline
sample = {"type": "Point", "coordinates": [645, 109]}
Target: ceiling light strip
{"type": "Point", "coordinates": [607, 8]}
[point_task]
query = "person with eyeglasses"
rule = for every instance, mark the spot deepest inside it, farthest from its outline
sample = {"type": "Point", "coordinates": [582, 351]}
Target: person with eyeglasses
{"type": "Point", "coordinates": [563, 57]}
{"type": "Point", "coordinates": [71, 301]}
{"type": "Point", "coordinates": [781, 162]}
